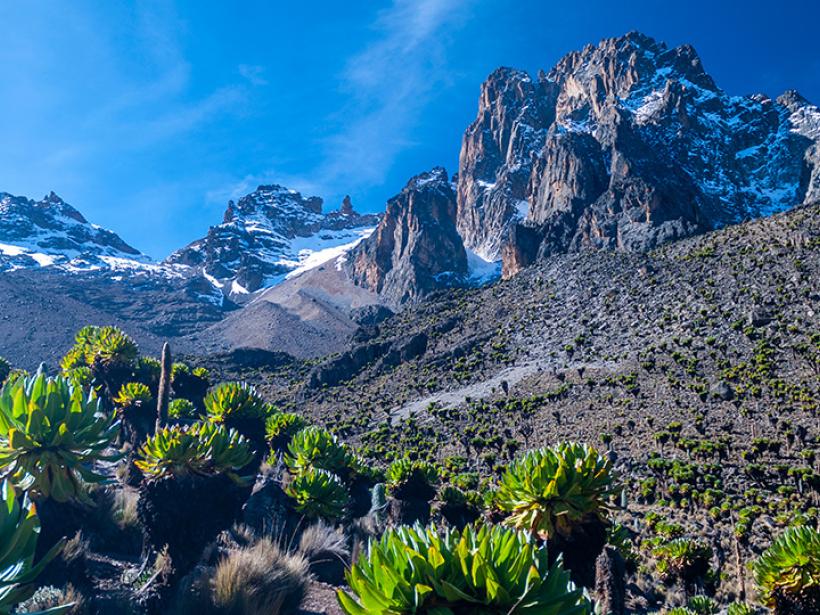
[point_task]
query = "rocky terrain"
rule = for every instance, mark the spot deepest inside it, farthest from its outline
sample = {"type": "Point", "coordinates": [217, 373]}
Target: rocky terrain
{"type": "Point", "coordinates": [416, 248]}
{"type": "Point", "coordinates": [696, 365]}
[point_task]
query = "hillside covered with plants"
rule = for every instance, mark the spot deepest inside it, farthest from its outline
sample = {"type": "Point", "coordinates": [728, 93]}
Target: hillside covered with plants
{"type": "Point", "coordinates": [601, 433]}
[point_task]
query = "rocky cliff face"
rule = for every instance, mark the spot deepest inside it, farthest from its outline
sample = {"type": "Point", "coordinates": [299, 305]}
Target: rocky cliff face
{"type": "Point", "coordinates": [416, 248]}
{"type": "Point", "coordinates": [626, 145]}
{"type": "Point", "coordinates": [268, 234]}
{"type": "Point", "coordinates": [50, 232]}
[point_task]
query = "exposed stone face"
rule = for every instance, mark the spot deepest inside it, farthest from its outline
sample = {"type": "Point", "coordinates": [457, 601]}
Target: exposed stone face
{"type": "Point", "coordinates": [626, 145]}
{"type": "Point", "coordinates": [416, 248]}
{"type": "Point", "coordinates": [495, 161]}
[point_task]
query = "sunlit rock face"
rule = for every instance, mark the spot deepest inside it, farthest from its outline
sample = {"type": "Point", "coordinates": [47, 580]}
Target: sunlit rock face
{"type": "Point", "coordinates": [625, 145]}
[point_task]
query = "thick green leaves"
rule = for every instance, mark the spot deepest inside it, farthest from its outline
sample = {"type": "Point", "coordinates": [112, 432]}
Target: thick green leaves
{"type": "Point", "coordinates": [491, 571]}
{"type": "Point", "coordinates": [19, 530]}
{"type": "Point", "coordinates": [549, 490]}
{"type": "Point", "coordinates": [51, 433]}
{"type": "Point", "coordinates": [319, 494]}
{"type": "Point", "coordinates": [202, 448]}
{"type": "Point", "coordinates": [314, 447]}
{"type": "Point", "coordinates": [790, 565]}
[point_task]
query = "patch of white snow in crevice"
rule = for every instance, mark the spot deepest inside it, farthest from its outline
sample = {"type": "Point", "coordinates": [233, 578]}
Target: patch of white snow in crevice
{"type": "Point", "coordinates": [214, 282]}
{"type": "Point", "coordinates": [238, 289]}
{"type": "Point", "coordinates": [482, 270]}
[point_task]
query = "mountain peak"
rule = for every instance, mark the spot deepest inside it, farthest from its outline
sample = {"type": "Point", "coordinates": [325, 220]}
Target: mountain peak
{"type": "Point", "coordinates": [626, 144]}
{"type": "Point", "coordinates": [792, 99]}
{"type": "Point", "coordinates": [51, 232]}
{"type": "Point", "coordinates": [434, 178]}
{"type": "Point", "coordinates": [416, 247]}
{"type": "Point", "coordinates": [269, 234]}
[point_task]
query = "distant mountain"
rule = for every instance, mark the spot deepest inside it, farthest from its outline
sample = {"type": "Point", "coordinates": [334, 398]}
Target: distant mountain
{"type": "Point", "coordinates": [50, 232]}
{"type": "Point", "coordinates": [59, 272]}
{"type": "Point", "coordinates": [626, 145]}
{"type": "Point", "coordinates": [269, 234]}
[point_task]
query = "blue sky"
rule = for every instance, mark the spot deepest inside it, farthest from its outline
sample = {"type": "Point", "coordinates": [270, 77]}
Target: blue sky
{"type": "Point", "coordinates": [149, 116]}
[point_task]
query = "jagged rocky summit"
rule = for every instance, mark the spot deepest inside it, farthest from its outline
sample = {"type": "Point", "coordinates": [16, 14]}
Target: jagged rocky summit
{"type": "Point", "coordinates": [269, 234]}
{"type": "Point", "coordinates": [625, 145]}
{"type": "Point", "coordinates": [50, 232]}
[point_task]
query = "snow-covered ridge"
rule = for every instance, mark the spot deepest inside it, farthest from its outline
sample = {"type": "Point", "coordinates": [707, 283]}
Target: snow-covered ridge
{"type": "Point", "coordinates": [266, 237]}
{"type": "Point", "coordinates": [269, 235]}
{"type": "Point", "coordinates": [51, 233]}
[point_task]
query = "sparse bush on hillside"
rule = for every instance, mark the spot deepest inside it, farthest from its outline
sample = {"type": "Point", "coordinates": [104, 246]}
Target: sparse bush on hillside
{"type": "Point", "coordinates": [238, 406]}
{"type": "Point", "coordinates": [181, 409]}
{"type": "Point", "coordinates": [315, 447]}
{"type": "Point", "coordinates": [281, 427]}
{"type": "Point", "coordinates": [319, 494]}
{"type": "Point", "coordinates": [202, 449]}
{"type": "Point", "coordinates": [133, 395]}
{"type": "Point", "coordinates": [550, 491]}
{"type": "Point", "coordinates": [192, 488]}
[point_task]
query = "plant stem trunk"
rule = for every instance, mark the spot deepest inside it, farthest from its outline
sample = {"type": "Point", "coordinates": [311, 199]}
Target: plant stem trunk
{"type": "Point", "coordinates": [164, 386]}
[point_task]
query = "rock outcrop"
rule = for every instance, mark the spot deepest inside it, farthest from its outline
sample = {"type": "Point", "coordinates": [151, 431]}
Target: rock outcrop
{"type": "Point", "coordinates": [626, 145]}
{"type": "Point", "coordinates": [416, 248]}
{"type": "Point", "coordinates": [268, 234]}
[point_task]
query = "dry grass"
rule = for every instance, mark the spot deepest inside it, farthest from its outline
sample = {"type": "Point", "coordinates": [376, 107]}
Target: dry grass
{"type": "Point", "coordinates": [320, 542]}
{"type": "Point", "coordinates": [261, 579]}
{"type": "Point", "coordinates": [124, 509]}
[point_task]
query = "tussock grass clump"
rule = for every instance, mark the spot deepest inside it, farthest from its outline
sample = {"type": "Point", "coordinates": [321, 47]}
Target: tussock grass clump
{"type": "Point", "coordinates": [260, 579]}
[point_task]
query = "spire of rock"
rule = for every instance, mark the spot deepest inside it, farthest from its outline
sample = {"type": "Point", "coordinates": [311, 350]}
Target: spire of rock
{"type": "Point", "coordinates": [416, 248]}
{"type": "Point", "coordinates": [346, 208]}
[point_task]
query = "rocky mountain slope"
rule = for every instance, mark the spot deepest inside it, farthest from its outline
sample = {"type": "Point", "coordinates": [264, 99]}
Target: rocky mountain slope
{"type": "Point", "coordinates": [60, 271]}
{"type": "Point", "coordinates": [696, 365]}
{"type": "Point", "coordinates": [625, 145]}
{"type": "Point", "coordinates": [269, 234]}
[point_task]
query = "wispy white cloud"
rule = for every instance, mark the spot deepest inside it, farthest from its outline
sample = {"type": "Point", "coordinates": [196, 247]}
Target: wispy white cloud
{"type": "Point", "coordinates": [255, 75]}
{"type": "Point", "coordinates": [390, 83]}
{"type": "Point", "coordinates": [387, 85]}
